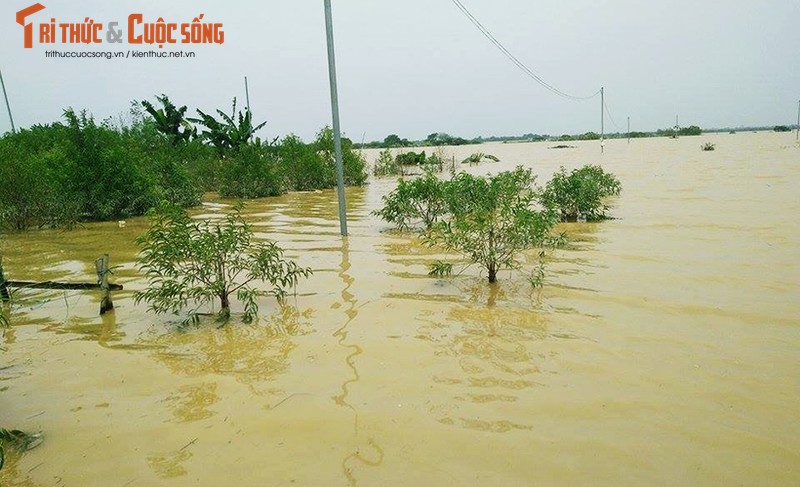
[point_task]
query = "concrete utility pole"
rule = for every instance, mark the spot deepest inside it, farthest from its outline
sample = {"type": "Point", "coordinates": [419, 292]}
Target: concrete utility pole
{"type": "Point", "coordinates": [247, 93]}
{"type": "Point", "coordinates": [629, 130]}
{"type": "Point", "coordinates": [602, 120]}
{"type": "Point", "coordinates": [5, 95]}
{"type": "Point", "coordinates": [337, 136]}
{"type": "Point", "coordinates": [796, 137]}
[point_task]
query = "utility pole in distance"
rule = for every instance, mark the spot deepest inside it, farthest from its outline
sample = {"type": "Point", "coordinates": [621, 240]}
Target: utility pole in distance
{"type": "Point", "coordinates": [337, 136]}
{"type": "Point", "coordinates": [629, 130]}
{"type": "Point", "coordinates": [5, 95]}
{"type": "Point", "coordinates": [796, 137]}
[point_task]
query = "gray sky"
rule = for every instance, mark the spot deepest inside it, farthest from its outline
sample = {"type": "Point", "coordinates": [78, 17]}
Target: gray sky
{"type": "Point", "coordinates": [416, 67]}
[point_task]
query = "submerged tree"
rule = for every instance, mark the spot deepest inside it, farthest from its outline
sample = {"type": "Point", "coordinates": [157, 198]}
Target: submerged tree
{"type": "Point", "coordinates": [478, 157]}
{"type": "Point", "coordinates": [493, 220]}
{"type": "Point", "coordinates": [581, 192]}
{"type": "Point", "coordinates": [189, 261]}
{"type": "Point", "coordinates": [419, 200]}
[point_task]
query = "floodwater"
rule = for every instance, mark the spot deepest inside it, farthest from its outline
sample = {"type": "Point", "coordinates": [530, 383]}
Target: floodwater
{"type": "Point", "coordinates": [664, 348]}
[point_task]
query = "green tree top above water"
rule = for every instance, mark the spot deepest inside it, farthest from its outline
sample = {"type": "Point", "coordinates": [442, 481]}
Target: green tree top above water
{"type": "Point", "coordinates": [197, 262]}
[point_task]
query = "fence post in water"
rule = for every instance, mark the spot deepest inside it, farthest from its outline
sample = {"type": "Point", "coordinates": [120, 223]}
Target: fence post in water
{"type": "Point", "coordinates": [4, 295]}
{"type": "Point", "coordinates": [102, 267]}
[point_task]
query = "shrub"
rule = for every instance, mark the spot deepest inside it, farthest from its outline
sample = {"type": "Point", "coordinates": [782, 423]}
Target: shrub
{"type": "Point", "coordinates": [386, 165]}
{"type": "Point", "coordinates": [34, 188]}
{"type": "Point", "coordinates": [492, 220]}
{"type": "Point", "coordinates": [479, 157]}
{"type": "Point", "coordinates": [355, 173]}
{"type": "Point", "coordinates": [411, 158]}
{"type": "Point", "coordinates": [708, 146]}
{"type": "Point", "coordinates": [202, 261]}
{"type": "Point", "coordinates": [313, 166]}
{"type": "Point", "coordinates": [419, 200]}
{"type": "Point", "coordinates": [581, 192]}
{"type": "Point", "coordinates": [302, 167]}
{"type": "Point", "coordinates": [250, 173]}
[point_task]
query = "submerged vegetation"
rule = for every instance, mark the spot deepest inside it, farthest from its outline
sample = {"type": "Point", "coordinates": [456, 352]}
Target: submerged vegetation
{"type": "Point", "coordinates": [189, 262]}
{"type": "Point", "coordinates": [580, 194]}
{"type": "Point", "coordinates": [402, 163]}
{"type": "Point", "coordinates": [478, 157]}
{"type": "Point", "coordinates": [18, 440]}
{"type": "Point", "coordinates": [493, 220]}
{"type": "Point", "coordinates": [708, 146]}
{"type": "Point", "coordinates": [443, 139]}
{"type": "Point", "coordinates": [417, 201]}
{"type": "Point", "coordinates": [79, 169]}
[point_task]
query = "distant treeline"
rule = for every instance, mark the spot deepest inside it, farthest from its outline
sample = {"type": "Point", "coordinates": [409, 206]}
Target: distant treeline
{"type": "Point", "coordinates": [440, 138]}
{"type": "Point", "coordinates": [78, 170]}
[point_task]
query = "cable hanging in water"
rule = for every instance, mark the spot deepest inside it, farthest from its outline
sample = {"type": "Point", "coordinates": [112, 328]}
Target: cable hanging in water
{"type": "Point", "coordinates": [514, 59]}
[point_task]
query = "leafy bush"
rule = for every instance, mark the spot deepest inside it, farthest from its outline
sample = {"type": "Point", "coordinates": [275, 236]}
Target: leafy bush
{"type": "Point", "coordinates": [479, 157]}
{"type": "Point", "coordinates": [581, 192]}
{"type": "Point", "coordinates": [708, 146]}
{"type": "Point", "coordinates": [386, 165]}
{"type": "Point", "coordinates": [313, 166]}
{"type": "Point", "coordinates": [34, 181]}
{"type": "Point", "coordinates": [202, 163]}
{"type": "Point", "coordinates": [60, 174]}
{"type": "Point", "coordinates": [411, 158]}
{"type": "Point", "coordinates": [63, 173]}
{"type": "Point", "coordinates": [202, 261]}
{"type": "Point", "coordinates": [302, 167]}
{"type": "Point", "coordinates": [250, 173]}
{"type": "Point", "coordinates": [492, 220]}
{"type": "Point", "coordinates": [420, 200]}
{"type": "Point", "coordinates": [782, 128]}
{"type": "Point", "coordinates": [355, 173]}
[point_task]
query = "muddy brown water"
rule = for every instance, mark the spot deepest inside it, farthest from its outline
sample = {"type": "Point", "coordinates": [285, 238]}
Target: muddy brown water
{"type": "Point", "coordinates": [664, 348]}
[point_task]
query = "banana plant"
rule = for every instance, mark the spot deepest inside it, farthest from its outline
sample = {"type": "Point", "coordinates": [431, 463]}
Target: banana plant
{"type": "Point", "coordinates": [170, 120]}
{"type": "Point", "coordinates": [229, 133]}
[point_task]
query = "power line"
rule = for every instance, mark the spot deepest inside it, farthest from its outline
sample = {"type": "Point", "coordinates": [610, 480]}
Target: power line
{"type": "Point", "coordinates": [514, 59]}
{"type": "Point", "coordinates": [608, 112]}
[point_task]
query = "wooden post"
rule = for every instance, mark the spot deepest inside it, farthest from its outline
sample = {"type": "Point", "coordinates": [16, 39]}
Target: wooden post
{"type": "Point", "coordinates": [4, 295]}
{"type": "Point", "coordinates": [102, 267]}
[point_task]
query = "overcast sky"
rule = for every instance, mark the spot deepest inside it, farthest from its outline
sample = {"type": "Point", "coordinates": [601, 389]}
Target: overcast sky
{"type": "Point", "coordinates": [414, 67]}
